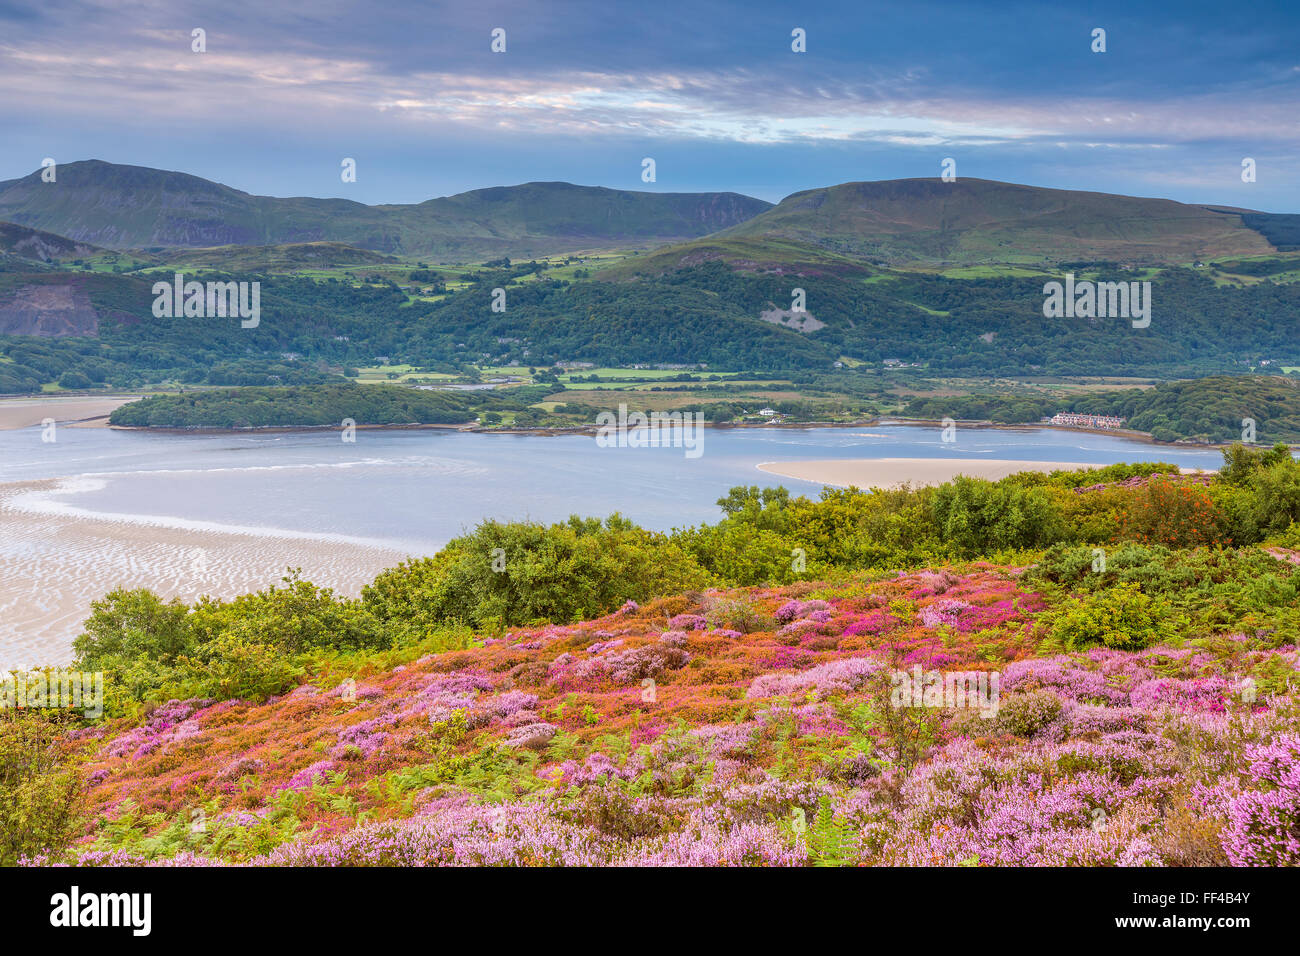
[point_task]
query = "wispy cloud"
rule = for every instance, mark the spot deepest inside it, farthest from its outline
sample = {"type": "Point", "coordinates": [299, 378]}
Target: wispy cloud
{"type": "Point", "coordinates": [692, 75]}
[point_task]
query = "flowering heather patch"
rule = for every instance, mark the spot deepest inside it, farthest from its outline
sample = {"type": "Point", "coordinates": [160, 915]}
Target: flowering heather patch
{"type": "Point", "coordinates": [687, 622]}
{"type": "Point", "coordinates": [1142, 481]}
{"type": "Point", "coordinates": [945, 613]}
{"type": "Point", "coordinates": [1263, 822]}
{"type": "Point", "coordinates": [648, 738]}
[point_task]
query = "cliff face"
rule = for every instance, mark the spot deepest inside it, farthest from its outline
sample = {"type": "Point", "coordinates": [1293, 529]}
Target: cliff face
{"type": "Point", "coordinates": [48, 310]}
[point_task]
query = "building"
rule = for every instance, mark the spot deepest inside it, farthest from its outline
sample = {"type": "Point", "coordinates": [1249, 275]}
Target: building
{"type": "Point", "coordinates": [1086, 421]}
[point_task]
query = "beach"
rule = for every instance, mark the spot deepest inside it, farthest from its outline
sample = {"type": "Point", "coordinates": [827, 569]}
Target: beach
{"type": "Point", "coordinates": [917, 472]}
{"type": "Point", "coordinates": [52, 566]}
{"type": "Point", "coordinates": [74, 412]}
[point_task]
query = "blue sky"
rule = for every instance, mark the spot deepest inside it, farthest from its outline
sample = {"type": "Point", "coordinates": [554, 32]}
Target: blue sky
{"type": "Point", "coordinates": [710, 90]}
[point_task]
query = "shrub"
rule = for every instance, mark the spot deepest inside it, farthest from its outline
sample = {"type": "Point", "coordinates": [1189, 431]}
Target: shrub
{"type": "Point", "coordinates": [41, 788]}
{"type": "Point", "coordinates": [1172, 513]}
{"type": "Point", "coordinates": [736, 614]}
{"type": "Point", "coordinates": [980, 516]}
{"type": "Point", "coordinates": [232, 667]}
{"type": "Point", "coordinates": [514, 573]}
{"type": "Point", "coordinates": [291, 619]}
{"type": "Point", "coordinates": [1121, 617]}
{"type": "Point", "coordinates": [124, 625]}
{"type": "Point", "coordinates": [1027, 715]}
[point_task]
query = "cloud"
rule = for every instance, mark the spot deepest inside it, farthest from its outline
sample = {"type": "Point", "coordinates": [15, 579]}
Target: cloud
{"type": "Point", "coordinates": [968, 77]}
{"type": "Point", "coordinates": [155, 74]}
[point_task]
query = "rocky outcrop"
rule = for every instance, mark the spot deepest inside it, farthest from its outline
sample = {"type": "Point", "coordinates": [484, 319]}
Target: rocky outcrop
{"type": "Point", "coordinates": [48, 310]}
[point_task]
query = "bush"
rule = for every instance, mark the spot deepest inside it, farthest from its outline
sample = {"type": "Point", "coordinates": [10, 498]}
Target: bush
{"type": "Point", "coordinates": [979, 516]}
{"type": "Point", "coordinates": [743, 555]}
{"type": "Point", "coordinates": [126, 625]}
{"type": "Point", "coordinates": [1121, 617]}
{"type": "Point", "coordinates": [291, 619]}
{"type": "Point", "coordinates": [513, 573]}
{"type": "Point", "coordinates": [230, 667]}
{"type": "Point", "coordinates": [250, 648]}
{"type": "Point", "coordinates": [41, 788]}
{"type": "Point", "coordinates": [736, 614]}
{"type": "Point", "coordinates": [1027, 715]}
{"type": "Point", "coordinates": [1173, 513]}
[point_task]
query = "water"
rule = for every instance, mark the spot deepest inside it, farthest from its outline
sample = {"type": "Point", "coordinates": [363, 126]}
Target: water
{"type": "Point", "coordinates": [188, 515]}
{"type": "Point", "coordinates": [415, 489]}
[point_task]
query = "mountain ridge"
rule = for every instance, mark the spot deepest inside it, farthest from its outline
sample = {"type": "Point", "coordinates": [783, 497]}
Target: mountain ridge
{"type": "Point", "coordinates": [124, 207]}
{"type": "Point", "coordinates": [971, 221]}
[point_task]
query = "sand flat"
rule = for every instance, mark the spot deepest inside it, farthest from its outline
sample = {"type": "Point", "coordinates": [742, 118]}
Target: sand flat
{"type": "Point", "coordinates": [895, 472]}
{"type": "Point", "coordinates": [76, 412]}
{"type": "Point", "coordinates": [53, 566]}
{"type": "Point", "coordinates": [917, 472]}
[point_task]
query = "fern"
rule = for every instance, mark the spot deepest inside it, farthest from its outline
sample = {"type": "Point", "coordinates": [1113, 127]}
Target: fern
{"type": "Point", "coordinates": [830, 840]}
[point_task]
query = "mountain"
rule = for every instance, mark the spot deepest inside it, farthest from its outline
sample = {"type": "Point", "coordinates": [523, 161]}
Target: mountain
{"type": "Point", "coordinates": [911, 222]}
{"type": "Point", "coordinates": [27, 243]}
{"type": "Point", "coordinates": [123, 207]}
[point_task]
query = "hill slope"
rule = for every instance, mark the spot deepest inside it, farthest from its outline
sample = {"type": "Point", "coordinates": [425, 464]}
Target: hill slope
{"type": "Point", "coordinates": [27, 243]}
{"type": "Point", "coordinates": [927, 221]}
{"type": "Point", "coordinates": [654, 736]}
{"type": "Point", "coordinates": [138, 207]}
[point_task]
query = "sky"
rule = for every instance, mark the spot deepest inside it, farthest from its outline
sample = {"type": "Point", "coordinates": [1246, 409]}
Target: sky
{"type": "Point", "coordinates": [711, 91]}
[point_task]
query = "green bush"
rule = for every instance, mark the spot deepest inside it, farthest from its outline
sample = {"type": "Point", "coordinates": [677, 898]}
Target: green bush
{"type": "Point", "coordinates": [978, 516]}
{"type": "Point", "coordinates": [232, 667]}
{"type": "Point", "coordinates": [1121, 617]}
{"type": "Point", "coordinates": [736, 614]}
{"type": "Point", "coordinates": [128, 625]}
{"type": "Point", "coordinates": [512, 573]}
{"type": "Point", "coordinates": [41, 788]}
{"type": "Point", "coordinates": [251, 647]}
{"type": "Point", "coordinates": [291, 619]}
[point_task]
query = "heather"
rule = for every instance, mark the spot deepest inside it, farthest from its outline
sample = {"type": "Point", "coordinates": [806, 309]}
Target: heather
{"type": "Point", "coordinates": [622, 741]}
{"type": "Point", "coordinates": [687, 714]}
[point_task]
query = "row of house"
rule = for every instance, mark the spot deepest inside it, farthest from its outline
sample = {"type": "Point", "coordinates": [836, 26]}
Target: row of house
{"type": "Point", "coordinates": [1087, 421]}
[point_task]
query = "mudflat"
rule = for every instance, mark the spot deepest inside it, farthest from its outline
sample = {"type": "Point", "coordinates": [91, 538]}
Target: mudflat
{"type": "Point", "coordinates": [76, 412]}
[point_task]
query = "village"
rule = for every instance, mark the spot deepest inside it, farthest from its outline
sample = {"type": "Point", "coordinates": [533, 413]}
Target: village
{"type": "Point", "coordinates": [1085, 421]}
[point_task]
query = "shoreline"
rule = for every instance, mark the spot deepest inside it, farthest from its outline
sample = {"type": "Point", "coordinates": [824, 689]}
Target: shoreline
{"type": "Point", "coordinates": [894, 473]}
{"type": "Point", "coordinates": [12, 418]}
{"type": "Point", "coordinates": [593, 430]}
{"type": "Point", "coordinates": [53, 565]}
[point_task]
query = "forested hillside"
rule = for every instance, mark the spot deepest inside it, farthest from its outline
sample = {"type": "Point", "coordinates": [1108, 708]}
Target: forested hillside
{"type": "Point", "coordinates": [1216, 409]}
{"type": "Point", "coordinates": [708, 313]}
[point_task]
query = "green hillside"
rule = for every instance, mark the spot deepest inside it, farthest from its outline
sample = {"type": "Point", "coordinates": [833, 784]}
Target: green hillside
{"type": "Point", "coordinates": [280, 258]}
{"type": "Point", "coordinates": [1206, 409]}
{"type": "Point", "coordinates": [137, 207]}
{"type": "Point", "coordinates": [929, 222]}
{"type": "Point", "coordinates": [316, 405]}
